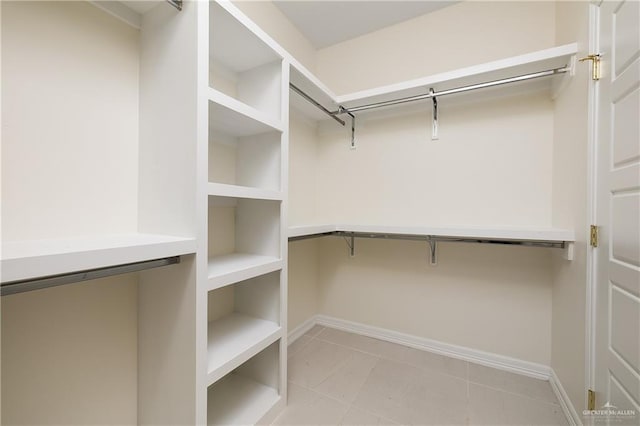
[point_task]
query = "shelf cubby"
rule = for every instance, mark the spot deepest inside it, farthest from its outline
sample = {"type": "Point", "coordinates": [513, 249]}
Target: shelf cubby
{"type": "Point", "coordinates": [248, 393]}
{"type": "Point", "coordinates": [243, 151]}
{"type": "Point", "coordinates": [244, 238]}
{"type": "Point", "coordinates": [246, 69]}
{"type": "Point", "coordinates": [244, 318]}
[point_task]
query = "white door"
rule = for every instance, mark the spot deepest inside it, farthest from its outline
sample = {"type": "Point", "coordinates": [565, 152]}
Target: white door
{"type": "Point", "coordinates": [617, 362]}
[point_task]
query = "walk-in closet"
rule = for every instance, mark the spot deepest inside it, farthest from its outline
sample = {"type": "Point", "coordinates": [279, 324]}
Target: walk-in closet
{"type": "Point", "coordinates": [320, 212]}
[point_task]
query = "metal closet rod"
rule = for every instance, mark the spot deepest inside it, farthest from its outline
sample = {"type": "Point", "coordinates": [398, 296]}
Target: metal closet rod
{"type": "Point", "coordinates": [433, 94]}
{"type": "Point", "coordinates": [315, 103]}
{"type": "Point", "coordinates": [175, 3]}
{"type": "Point", "coordinates": [22, 286]}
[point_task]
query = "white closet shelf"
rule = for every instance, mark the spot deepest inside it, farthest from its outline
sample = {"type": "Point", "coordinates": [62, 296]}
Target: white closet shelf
{"type": "Point", "coordinates": [553, 58]}
{"type": "Point", "coordinates": [24, 260]}
{"type": "Point", "coordinates": [233, 268]}
{"type": "Point", "coordinates": [235, 118]}
{"type": "Point", "coordinates": [236, 191]}
{"type": "Point", "coordinates": [131, 11]}
{"type": "Point", "coordinates": [234, 339]}
{"type": "Point", "coordinates": [236, 400]}
{"type": "Point", "coordinates": [503, 233]}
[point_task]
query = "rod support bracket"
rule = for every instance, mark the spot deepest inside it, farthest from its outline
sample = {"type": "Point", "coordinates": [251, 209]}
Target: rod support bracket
{"type": "Point", "coordinates": [434, 121]}
{"type": "Point", "coordinates": [343, 110]}
{"type": "Point", "coordinates": [351, 243]}
{"type": "Point", "coordinates": [433, 251]}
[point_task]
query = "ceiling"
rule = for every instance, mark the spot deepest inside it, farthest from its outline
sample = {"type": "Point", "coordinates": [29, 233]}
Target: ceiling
{"type": "Point", "coordinates": [329, 22]}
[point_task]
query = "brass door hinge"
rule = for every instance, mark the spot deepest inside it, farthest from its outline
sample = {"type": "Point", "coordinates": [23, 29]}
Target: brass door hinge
{"type": "Point", "coordinates": [593, 235]}
{"type": "Point", "coordinates": [595, 65]}
{"type": "Point", "coordinates": [591, 400]}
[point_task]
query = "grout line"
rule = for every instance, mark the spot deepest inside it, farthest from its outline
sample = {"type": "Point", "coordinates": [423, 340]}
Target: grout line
{"type": "Point", "coordinates": [515, 393]}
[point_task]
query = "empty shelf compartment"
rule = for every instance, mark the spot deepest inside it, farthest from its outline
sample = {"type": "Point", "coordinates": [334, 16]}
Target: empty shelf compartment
{"type": "Point", "coordinates": [247, 394]}
{"type": "Point", "coordinates": [243, 320]}
{"type": "Point", "coordinates": [246, 69]}
{"type": "Point", "coordinates": [252, 161]}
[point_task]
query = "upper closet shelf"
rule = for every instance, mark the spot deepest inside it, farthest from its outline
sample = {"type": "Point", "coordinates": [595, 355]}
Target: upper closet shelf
{"type": "Point", "coordinates": [40, 259]}
{"type": "Point", "coordinates": [131, 11]}
{"type": "Point", "coordinates": [237, 119]}
{"type": "Point", "coordinates": [543, 60]}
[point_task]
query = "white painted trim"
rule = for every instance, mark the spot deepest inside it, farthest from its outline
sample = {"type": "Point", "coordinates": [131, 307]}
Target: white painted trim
{"type": "Point", "coordinates": [568, 409]}
{"type": "Point", "coordinates": [501, 362]}
{"type": "Point", "coordinates": [301, 329]}
{"type": "Point", "coordinates": [120, 11]}
{"type": "Point", "coordinates": [592, 157]}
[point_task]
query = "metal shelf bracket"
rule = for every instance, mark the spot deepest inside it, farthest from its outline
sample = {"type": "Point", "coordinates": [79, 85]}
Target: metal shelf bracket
{"type": "Point", "coordinates": [434, 121]}
{"type": "Point", "coordinates": [351, 243]}
{"type": "Point", "coordinates": [433, 251]}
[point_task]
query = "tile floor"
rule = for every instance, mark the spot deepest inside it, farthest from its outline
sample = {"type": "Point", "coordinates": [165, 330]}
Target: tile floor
{"type": "Point", "coordinates": [339, 378]}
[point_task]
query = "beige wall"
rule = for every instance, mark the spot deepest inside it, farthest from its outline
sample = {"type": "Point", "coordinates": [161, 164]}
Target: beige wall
{"type": "Point", "coordinates": [570, 208]}
{"type": "Point", "coordinates": [461, 35]}
{"type": "Point", "coordinates": [492, 166]}
{"type": "Point", "coordinates": [61, 96]}
{"type": "Point", "coordinates": [69, 354]}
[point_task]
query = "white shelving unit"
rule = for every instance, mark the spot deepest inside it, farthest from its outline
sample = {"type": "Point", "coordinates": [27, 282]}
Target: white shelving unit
{"type": "Point", "coordinates": [245, 285]}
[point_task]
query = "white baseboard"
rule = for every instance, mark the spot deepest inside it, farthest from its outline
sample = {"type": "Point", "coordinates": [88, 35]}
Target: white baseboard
{"type": "Point", "coordinates": [500, 362]}
{"type": "Point", "coordinates": [568, 409]}
{"type": "Point", "coordinates": [301, 329]}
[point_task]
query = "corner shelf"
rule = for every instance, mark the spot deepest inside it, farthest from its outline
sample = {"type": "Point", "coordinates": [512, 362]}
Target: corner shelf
{"type": "Point", "coordinates": [234, 339]}
{"type": "Point", "coordinates": [232, 268]}
{"type": "Point", "coordinates": [24, 260]}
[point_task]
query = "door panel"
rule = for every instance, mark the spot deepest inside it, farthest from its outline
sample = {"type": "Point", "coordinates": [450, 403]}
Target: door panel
{"type": "Point", "coordinates": [617, 375]}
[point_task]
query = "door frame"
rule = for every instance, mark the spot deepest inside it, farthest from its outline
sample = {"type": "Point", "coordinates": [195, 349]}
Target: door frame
{"type": "Point", "coordinates": [592, 202]}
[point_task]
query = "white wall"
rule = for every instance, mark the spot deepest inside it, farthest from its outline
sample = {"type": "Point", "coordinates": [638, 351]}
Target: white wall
{"type": "Point", "coordinates": [67, 106]}
{"type": "Point", "coordinates": [464, 34]}
{"type": "Point", "coordinates": [570, 208]}
{"type": "Point", "coordinates": [69, 354]}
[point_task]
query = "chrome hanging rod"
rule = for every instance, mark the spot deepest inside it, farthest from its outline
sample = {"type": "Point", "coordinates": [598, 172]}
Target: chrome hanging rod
{"type": "Point", "coordinates": [175, 3]}
{"type": "Point", "coordinates": [22, 286]}
{"type": "Point", "coordinates": [432, 94]}
{"type": "Point", "coordinates": [315, 103]}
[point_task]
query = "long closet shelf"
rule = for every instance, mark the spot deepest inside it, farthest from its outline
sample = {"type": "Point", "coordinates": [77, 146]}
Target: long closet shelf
{"type": "Point", "coordinates": [473, 234]}
{"type": "Point", "coordinates": [237, 191]}
{"type": "Point", "coordinates": [547, 59]}
{"type": "Point", "coordinates": [234, 339]}
{"type": "Point", "coordinates": [233, 268]}
{"type": "Point", "coordinates": [235, 118]}
{"type": "Point", "coordinates": [237, 400]}
{"type": "Point", "coordinates": [33, 259]}
{"type": "Point", "coordinates": [131, 12]}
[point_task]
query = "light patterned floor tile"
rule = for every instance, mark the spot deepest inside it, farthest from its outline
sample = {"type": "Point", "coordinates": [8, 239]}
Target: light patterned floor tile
{"type": "Point", "coordinates": [511, 382]}
{"type": "Point", "coordinates": [346, 381]}
{"type": "Point", "coordinates": [489, 406]}
{"type": "Point", "coordinates": [408, 395]}
{"type": "Point", "coordinates": [316, 362]}
{"type": "Point", "coordinates": [363, 343]}
{"type": "Point", "coordinates": [306, 407]}
{"type": "Point", "coordinates": [314, 331]}
{"type": "Point", "coordinates": [431, 361]}
{"type": "Point", "coordinates": [296, 346]}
